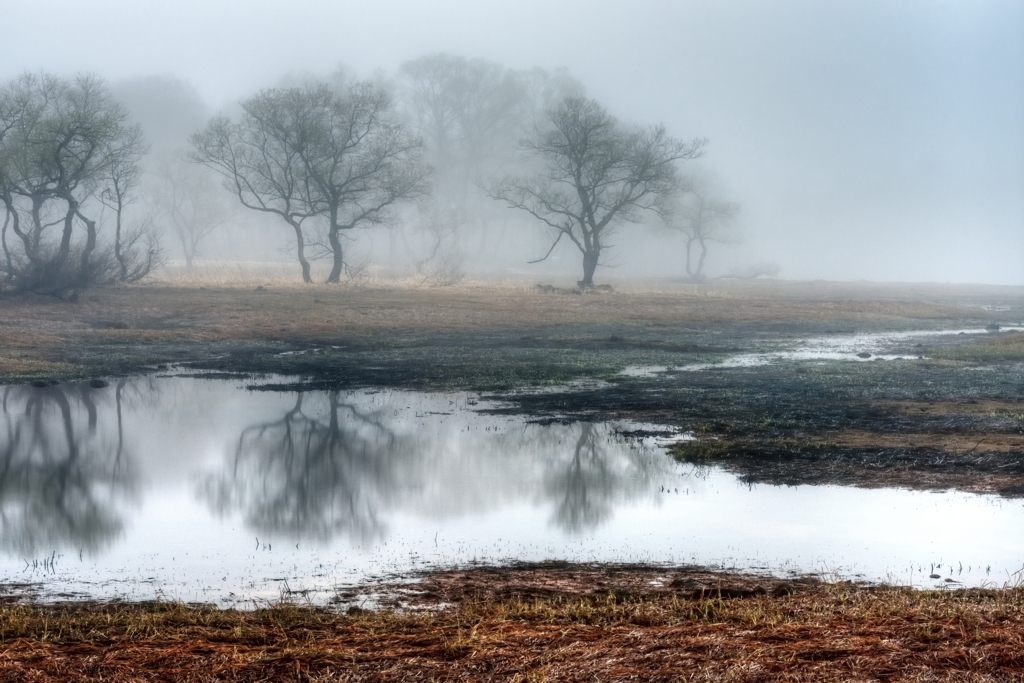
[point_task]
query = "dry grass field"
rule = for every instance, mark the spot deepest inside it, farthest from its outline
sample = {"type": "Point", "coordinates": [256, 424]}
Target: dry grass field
{"type": "Point", "coordinates": [542, 624]}
{"type": "Point", "coordinates": [121, 329]}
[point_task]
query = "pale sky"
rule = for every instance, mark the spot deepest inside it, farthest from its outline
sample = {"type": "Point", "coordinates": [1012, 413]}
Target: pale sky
{"type": "Point", "coordinates": [878, 140]}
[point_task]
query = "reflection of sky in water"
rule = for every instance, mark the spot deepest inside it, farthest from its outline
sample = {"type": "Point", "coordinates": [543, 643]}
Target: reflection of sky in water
{"type": "Point", "coordinates": [201, 490]}
{"type": "Point", "coordinates": [849, 347]}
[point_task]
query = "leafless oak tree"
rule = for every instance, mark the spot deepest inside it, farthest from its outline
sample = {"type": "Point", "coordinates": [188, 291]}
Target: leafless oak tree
{"type": "Point", "coordinates": [471, 114]}
{"type": "Point", "coordinates": [468, 112]}
{"type": "Point", "coordinates": [593, 176]}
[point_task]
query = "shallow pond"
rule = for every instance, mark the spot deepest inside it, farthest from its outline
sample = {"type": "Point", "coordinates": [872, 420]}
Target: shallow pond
{"type": "Point", "coordinates": [203, 490]}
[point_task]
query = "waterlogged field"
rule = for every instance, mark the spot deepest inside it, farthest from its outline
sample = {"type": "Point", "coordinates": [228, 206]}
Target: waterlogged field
{"type": "Point", "coordinates": [251, 443]}
{"type": "Point", "coordinates": [666, 482]}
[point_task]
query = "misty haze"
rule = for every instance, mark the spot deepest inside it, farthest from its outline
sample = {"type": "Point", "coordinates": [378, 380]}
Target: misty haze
{"type": "Point", "coordinates": [456, 340]}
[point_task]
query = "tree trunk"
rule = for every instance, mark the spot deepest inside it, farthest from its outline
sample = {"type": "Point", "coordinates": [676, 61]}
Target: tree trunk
{"type": "Point", "coordinates": [589, 266]}
{"type": "Point", "coordinates": [7, 250]}
{"type": "Point", "coordinates": [339, 262]}
{"type": "Point", "coordinates": [185, 251]}
{"type": "Point", "coordinates": [65, 240]}
{"type": "Point", "coordinates": [689, 268]}
{"type": "Point", "coordinates": [26, 240]}
{"type": "Point", "coordinates": [118, 252]}
{"type": "Point", "coordinates": [700, 261]}
{"type": "Point", "coordinates": [90, 246]}
{"type": "Point", "coordinates": [33, 240]}
{"type": "Point", "coordinates": [301, 251]}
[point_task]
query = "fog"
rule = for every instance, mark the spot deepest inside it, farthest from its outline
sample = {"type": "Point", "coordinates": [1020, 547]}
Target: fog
{"type": "Point", "coordinates": [865, 140]}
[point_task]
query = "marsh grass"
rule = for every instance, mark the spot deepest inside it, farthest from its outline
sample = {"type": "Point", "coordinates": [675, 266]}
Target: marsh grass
{"type": "Point", "coordinates": [827, 632]}
{"type": "Point", "coordinates": [1001, 347]}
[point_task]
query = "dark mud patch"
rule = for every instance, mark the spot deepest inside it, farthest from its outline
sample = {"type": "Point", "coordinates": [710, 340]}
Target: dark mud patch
{"type": "Point", "coordinates": [793, 398]}
{"type": "Point", "coordinates": [17, 592]}
{"type": "Point", "coordinates": [923, 469]}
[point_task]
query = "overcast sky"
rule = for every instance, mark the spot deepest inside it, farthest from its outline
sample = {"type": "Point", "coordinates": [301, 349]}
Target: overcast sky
{"type": "Point", "coordinates": [878, 140]}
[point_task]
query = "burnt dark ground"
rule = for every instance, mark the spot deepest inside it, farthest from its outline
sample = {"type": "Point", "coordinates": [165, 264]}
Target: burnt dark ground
{"type": "Point", "coordinates": [923, 424]}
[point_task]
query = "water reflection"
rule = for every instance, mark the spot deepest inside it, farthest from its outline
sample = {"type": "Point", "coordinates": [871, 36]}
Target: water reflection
{"type": "Point", "coordinates": [162, 481]}
{"type": "Point", "coordinates": [339, 464]}
{"type": "Point", "coordinates": [64, 472]}
{"type": "Point", "coordinates": [309, 476]}
{"type": "Point", "coordinates": [587, 485]}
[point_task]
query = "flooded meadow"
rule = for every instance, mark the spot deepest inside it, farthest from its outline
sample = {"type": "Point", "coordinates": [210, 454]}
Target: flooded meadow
{"type": "Point", "coordinates": [180, 486]}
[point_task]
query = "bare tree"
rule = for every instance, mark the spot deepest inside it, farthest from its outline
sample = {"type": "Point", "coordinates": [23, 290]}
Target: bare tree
{"type": "Point", "coordinates": [443, 265]}
{"type": "Point", "coordinates": [168, 108]}
{"type": "Point", "coordinates": [359, 161]}
{"type": "Point", "coordinates": [341, 157]}
{"type": "Point", "coordinates": [190, 200]}
{"type": "Point", "coordinates": [593, 176]}
{"type": "Point", "coordinates": [57, 140]}
{"type": "Point", "coordinates": [700, 219]}
{"type": "Point", "coordinates": [260, 163]}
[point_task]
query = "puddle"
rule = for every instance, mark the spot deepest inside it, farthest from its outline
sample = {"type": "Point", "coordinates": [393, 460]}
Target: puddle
{"type": "Point", "coordinates": [644, 370]}
{"type": "Point", "coordinates": [854, 347]}
{"type": "Point", "coordinates": [199, 490]}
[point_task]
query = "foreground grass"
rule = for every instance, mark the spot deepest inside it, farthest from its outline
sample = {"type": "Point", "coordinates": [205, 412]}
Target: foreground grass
{"type": "Point", "coordinates": [834, 632]}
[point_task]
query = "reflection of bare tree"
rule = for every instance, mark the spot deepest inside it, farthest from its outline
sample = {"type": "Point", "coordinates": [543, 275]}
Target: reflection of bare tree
{"type": "Point", "coordinates": [583, 486]}
{"type": "Point", "coordinates": [597, 477]}
{"type": "Point", "coordinates": [313, 477]}
{"type": "Point", "coordinates": [61, 473]}
{"type": "Point", "coordinates": [338, 465]}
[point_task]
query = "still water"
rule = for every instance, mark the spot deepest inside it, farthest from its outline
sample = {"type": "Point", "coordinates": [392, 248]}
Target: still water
{"type": "Point", "coordinates": [202, 490]}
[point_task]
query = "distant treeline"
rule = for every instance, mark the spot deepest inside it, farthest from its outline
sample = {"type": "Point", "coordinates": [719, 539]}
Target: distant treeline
{"type": "Point", "coordinates": [96, 180]}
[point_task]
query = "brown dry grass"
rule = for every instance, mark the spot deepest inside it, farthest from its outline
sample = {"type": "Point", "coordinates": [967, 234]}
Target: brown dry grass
{"type": "Point", "coordinates": [824, 633]}
{"type": "Point", "coordinates": [36, 330]}
{"type": "Point", "coordinates": [989, 407]}
{"type": "Point", "coordinates": [938, 441]}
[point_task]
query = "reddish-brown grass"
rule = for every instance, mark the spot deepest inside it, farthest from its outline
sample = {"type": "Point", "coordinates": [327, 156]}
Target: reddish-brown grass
{"type": "Point", "coordinates": [824, 633]}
